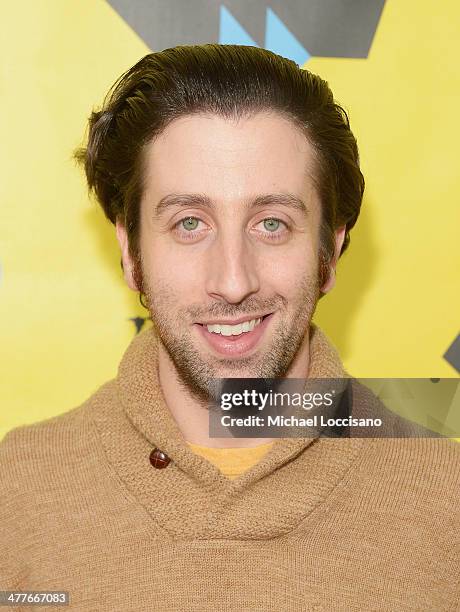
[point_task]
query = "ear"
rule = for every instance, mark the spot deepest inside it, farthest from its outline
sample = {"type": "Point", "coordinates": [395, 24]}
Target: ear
{"type": "Point", "coordinates": [339, 238]}
{"type": "Point", "coordinates": [128, 264]}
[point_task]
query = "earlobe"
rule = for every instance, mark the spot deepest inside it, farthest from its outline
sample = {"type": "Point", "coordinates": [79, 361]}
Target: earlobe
{"type": "Point", "coordinates": [330, 282]}
{"type": "Point", "coordinates": [339, 238]}
{"type": "Point", "coordinates": [126, 260]}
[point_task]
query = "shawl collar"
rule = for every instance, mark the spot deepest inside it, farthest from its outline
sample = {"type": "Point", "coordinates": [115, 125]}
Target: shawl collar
{"type": "Point", "coordinates": [142, 399]}
{"type": "Point", "coordinates": [191, 498]}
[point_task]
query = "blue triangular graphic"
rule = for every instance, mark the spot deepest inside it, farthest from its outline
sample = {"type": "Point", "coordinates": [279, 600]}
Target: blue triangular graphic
{"type": "Point", "coordinates": [231, 32]}
{"type": "Point", "coordinates": [280, 40]}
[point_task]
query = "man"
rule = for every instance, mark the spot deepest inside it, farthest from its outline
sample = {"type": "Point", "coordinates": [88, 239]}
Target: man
{"type": "Point", "coordinates": [233, 181]}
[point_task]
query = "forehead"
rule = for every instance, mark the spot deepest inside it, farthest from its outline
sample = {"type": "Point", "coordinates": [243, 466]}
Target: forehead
{"type": "Point", "coordinates": [228, 159]}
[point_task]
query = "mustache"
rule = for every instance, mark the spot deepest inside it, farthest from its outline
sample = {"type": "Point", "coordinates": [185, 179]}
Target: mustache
{"type": "Point", "coordinates": [233, 311]}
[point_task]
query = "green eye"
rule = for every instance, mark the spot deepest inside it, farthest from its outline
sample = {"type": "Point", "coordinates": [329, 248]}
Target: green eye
{"type": "Point", "coordinates": [271, 224]}
{"type": "Point", "coordinates": [191, 223]}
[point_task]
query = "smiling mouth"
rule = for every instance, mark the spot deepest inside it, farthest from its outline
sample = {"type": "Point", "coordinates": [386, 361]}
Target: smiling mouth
{"type": "Point", "coordinates": [231, 340]}
{"type": "Point", "coordinates": [234, 329]}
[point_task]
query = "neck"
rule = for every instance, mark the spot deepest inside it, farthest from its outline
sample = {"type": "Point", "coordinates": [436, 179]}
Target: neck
{"type": "Point", "coordinates": [192, 416]}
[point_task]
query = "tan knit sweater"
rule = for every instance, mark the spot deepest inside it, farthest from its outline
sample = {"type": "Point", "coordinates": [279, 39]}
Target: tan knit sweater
{"type": "Point", "coordinates": [318, 524]}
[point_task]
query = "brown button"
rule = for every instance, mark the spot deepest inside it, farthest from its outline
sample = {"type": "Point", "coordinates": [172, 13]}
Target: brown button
{"type": "Point", "coordinates": [159, 459]}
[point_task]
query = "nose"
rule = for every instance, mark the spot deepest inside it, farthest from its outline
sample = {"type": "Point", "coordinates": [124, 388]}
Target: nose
{"type": "Point", "coordinates": [232, 270]}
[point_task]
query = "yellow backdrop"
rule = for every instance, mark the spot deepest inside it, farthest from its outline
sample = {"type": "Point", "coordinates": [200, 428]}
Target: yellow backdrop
{"type": "Point", "coordinates": [65, 311]}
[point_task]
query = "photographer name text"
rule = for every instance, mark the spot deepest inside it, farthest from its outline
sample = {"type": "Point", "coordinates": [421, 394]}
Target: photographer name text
{"type": "Point", "coordinates": [292, 421]}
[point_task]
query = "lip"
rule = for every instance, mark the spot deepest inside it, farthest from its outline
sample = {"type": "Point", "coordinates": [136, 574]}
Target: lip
{"type": "Point", "coordinates": [235, 346]}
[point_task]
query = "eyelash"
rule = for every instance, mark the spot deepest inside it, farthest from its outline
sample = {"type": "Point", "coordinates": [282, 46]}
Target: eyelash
{"type": "Point", "coordinates": [191, 235]}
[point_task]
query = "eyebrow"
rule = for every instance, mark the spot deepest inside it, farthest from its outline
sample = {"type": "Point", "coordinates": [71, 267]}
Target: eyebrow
{"type": "Point", "coordinates": [197, 199]}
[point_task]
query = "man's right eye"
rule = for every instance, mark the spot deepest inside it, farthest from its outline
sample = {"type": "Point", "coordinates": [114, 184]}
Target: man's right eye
{"type": "Point", "coordinates": [188, 228]}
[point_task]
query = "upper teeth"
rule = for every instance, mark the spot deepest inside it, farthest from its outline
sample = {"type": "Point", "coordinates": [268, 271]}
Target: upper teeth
{"type": "Point", "coordinates": [233, 330]}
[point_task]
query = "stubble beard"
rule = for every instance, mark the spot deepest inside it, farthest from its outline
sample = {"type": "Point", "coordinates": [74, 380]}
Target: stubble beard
{"type": "Point", "coordinates": [195, 373]}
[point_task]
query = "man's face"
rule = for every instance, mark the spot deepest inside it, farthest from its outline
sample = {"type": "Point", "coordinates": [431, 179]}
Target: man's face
{"type": "Point", "coordinates": [229, 236]}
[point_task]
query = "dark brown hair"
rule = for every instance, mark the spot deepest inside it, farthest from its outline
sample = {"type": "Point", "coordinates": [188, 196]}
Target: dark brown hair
{"type": "Point", "coordinates": [230, 81]}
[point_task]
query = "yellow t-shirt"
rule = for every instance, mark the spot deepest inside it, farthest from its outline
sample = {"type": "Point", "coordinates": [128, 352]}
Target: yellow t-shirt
{"type": "Point", "coordinates": [232, 461]}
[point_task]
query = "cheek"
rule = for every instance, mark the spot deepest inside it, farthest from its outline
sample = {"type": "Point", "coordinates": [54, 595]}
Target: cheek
{"type": "Point", "coordinates": [287, 268]}
{"type": "Point", "coordinates": [289, 282]}
{"type": "Point", "coordinates": [166, 266]}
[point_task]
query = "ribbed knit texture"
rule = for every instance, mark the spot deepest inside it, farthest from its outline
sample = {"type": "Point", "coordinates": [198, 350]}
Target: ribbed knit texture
{"type": "Point", "coordinates": [317, 524]}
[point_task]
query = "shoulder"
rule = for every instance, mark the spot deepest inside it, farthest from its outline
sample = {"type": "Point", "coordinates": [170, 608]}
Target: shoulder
{"type": "Point", "coordinates": [431, 459]}
{"type": "Point", "coordinates": [416, 477]}
{"type": "Point", "coordinates": [35, 452]}
{"type": "Point", "coordinates": [399, 442]}
{"type": "Point", "coordinates": [45, 470]}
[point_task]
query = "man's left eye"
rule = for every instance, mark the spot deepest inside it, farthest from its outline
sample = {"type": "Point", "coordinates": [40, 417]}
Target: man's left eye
{"type": "Point", "coordinates": [272, 225]}
{"type": "Point", "coordinates": [190, 223]}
